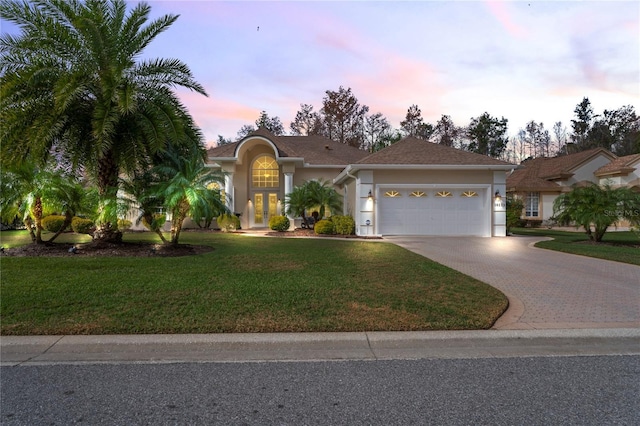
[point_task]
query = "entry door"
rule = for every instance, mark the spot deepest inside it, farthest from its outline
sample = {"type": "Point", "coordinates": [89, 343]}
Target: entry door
{"type": "Point", "coordinates": [265, 206]}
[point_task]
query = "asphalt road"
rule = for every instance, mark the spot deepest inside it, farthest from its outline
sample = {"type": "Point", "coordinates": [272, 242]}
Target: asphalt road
{"type": "Point", "coordinates": [588, 390]}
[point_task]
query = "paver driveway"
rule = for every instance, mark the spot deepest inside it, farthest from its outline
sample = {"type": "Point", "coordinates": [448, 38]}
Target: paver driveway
{"type": "Point", "coordinates": [546, 289]}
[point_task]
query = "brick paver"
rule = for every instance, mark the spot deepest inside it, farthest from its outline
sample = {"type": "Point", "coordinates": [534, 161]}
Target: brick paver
{"type": "Point", "coordinates": [546, 289]}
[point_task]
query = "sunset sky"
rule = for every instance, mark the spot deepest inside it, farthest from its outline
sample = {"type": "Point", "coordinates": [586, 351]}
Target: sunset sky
{"type": "Point", "coordinates": [524, 60]}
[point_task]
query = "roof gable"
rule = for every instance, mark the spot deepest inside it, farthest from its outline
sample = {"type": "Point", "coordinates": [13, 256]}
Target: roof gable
{"type": "Point", "coordinates": [538, 174]}
{"type": "Point", "coordinates": [314, 150]}
{"type": "Point", "coordinates": [411, 150]}
{"type": "Point", "coordinates": [621, 165]}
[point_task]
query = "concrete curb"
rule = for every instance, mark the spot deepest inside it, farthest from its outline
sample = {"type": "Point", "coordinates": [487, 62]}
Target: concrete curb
{"type": "Point", "coordinates": [42, 350]}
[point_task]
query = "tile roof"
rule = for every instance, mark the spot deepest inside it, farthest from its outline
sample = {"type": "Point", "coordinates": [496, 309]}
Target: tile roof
{"type": "Point", "coordinates": [316, 150]}
{"type": "Point", "coordinates": [538, 174]}
{"type": "Point", "coordinates": [619, 165]}
{"type": "Point", "coordinates": [411, 150]}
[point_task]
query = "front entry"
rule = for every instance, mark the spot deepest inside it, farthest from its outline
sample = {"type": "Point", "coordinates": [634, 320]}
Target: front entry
{"type": "Point", "coordinates": [265, 205]}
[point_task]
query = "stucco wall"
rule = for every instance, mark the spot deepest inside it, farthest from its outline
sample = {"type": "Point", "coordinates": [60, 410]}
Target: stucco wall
{"type": "Point", "coordinates": [585, 172]}
{"type": "Point", "coordinates": [432, 176]}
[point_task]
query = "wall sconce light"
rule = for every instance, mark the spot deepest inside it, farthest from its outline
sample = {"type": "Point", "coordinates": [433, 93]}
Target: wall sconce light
{"type": "Point", "coordinates": [498, 196]}
{"type": "Point", "coordinates": [370, 196]}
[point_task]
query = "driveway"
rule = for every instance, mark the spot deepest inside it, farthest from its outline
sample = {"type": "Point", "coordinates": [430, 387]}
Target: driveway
{"type": "Point", "coordinates": [546, 289]}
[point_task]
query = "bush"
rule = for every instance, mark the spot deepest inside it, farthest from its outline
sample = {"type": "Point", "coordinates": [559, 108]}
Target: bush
{"type": "Point", "coordinates": [324, 227]}
{"type": "Point", "coordinates": [124, 224]}
{"type": "Point", "coordinates": [53, 223]}
{"type": "Point", "coordinates": [343, 225]}
{"type": "Point", "coordinates": [82, 226]}
{"type": "Point", "coordinates": [279, 223]}
{"type": "Point", "coordinates": [228, 222]}
{"type": "Point", "coordinates": [514, 211]}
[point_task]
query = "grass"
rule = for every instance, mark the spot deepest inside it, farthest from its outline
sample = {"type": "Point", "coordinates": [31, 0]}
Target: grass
{"type": "Point", "coordinates": [247, 284]}
{"type": "Point", "coordinates": [617, 246]}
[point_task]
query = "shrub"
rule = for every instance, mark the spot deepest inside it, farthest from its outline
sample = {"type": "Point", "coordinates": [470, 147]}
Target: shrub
{"type": "Point", "coordinates": [53, 223]}
{"type": "Point", "coordinates": [514, 211]}
{"type": "Point", "coordinates": [324, 227]}
{"type": "Point", "coordinates": [124, 224]}
{"type": "Point", "coordinates": [343, 225]}
{"type": "Point", "coordinates": [159, 220]}
{"type": "Point", "coordinates": [81, 225]}
{"type": "Point", "coordinates": [228, 222]}
{"type": "Point", "coordinates": [279, 223]}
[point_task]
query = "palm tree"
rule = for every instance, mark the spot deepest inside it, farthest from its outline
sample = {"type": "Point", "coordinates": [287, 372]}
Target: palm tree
{"type": "Point", "coordinates": [143, 188]}
{"type": "Point", "coordinates": [297, 202]}
{"type": "Point", "coordinates": [597, 206]}
{"type": "Point", "coordinates": [187, 189]}
{"type": "Point", "coordinates": [310, 195]}
{"type": "Point", "coordinates": [72, 81]}
{"type": "Point", "coordinates": [69, 197]}
{"type": "Point", "coordinates": [323, 196]}
{"type": "Point", "coordinates": [27, 191]}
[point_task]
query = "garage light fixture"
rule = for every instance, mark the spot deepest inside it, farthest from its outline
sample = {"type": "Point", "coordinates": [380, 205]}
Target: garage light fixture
{"type": "Point", "coordinates": [498, 196]}
{"type": "Point", "coordinates": [370, 196]}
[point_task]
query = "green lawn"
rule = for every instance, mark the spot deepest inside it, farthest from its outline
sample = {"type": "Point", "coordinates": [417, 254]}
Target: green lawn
{"type": "Point", "coordinates": [247, 284]}
{"type": "Point", "coordinates": [618, 246]}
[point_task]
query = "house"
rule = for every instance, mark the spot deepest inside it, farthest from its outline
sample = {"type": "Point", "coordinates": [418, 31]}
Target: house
{"type": "Point", "coordinates": [623, 171]}
{"type": "Point", "coordinates": [541, 180]}
{"type": "Point", "coordinates": [412, 187]}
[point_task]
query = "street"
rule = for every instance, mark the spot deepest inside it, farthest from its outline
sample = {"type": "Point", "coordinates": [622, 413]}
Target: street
{"type": "Point", "coordinates": [571, 390]}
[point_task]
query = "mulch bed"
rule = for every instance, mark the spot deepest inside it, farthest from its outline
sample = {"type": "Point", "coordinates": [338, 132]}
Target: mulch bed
{"type": "Point", "coordinates": [129, 249]}
{"type": "Point", "coordinates": [126, 249]}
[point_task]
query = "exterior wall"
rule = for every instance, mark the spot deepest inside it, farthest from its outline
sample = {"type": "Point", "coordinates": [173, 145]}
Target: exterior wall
{"type": "Point", "coordinates": [546, 205]}
{"type": "Point", "coordinates": [433, 176]}
{"type": "Point", "coordinates": [586, 171]}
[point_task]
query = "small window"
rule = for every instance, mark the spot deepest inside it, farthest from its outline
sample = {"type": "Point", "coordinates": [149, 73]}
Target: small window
{"type": "Point", "coordinates": [443, 194]}
{"type": "Point", "coordinates": [417, 194]}
{"type": "Point", "coordinates": [531, 204]}
{"type": "Point", "coordinates": [469, 194]}
{"type": "Point", "coordinates": [392, 194]}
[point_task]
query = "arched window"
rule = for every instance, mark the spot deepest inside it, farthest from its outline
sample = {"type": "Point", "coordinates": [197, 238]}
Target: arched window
{"type": "Point", "coordinates": [265, 173]}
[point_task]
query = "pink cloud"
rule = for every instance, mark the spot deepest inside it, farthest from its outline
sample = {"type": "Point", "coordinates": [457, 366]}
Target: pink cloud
{"type": "Point", "coordinates": [501, 11]}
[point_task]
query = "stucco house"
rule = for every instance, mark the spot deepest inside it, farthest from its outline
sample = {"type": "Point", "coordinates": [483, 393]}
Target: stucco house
{"type": "Point", "coordinates": [623, 171]}
{"type": "Point", "coordinates": [539, 181]}
{"type": "Point", "coordinates": [412, 187]}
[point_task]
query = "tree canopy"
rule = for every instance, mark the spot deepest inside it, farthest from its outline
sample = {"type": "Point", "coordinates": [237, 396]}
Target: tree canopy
{"type": "Point", "coordinates": [72, 81]}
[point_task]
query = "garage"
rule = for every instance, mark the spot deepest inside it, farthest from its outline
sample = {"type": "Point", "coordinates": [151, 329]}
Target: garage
{"type": "Point", "coordinates": [443, 210]}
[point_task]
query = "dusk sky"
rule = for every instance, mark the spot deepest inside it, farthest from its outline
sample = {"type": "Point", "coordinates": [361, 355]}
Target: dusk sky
{"type": "Point", "coordinates": [524, 60]}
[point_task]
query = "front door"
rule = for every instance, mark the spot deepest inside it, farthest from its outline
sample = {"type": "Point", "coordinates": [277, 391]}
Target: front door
{"type": "Point", "coordinates": [265, 205]}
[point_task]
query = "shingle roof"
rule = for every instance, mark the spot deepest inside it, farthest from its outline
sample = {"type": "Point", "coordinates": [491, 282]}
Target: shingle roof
{"type": "Point", "coordinates": [538, 174]}
{"type": "Point", "coordinates": [316, 150]}
{"type": "Point", "coordinates": [411, 150]}
{"type": "Point", "coordinates": [619, 165]}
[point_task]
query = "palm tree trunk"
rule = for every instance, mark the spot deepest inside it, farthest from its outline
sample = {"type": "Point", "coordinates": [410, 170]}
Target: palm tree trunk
{"type": "Point", "coordinates": [37, 215]}
{"type": "Point", "coordinates": [107, 230]}
{"type": "Point", "coordinates": [148, 218]}
{"type": "Point", "coordinates": [177, 220]}
{"type": "Point", "coordinates": [29, 224]}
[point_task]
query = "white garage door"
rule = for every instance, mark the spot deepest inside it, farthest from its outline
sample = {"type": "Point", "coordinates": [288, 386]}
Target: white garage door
{"type": "Point", "coordinates": [441, 211]}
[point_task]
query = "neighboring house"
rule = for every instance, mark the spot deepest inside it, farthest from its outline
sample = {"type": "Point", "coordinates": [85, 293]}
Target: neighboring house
{"type": "Point", "coordinates": [539, 181]}
{"type": "Point", "coordinates": [413, 187]}
{"type": "Point", "coordinates": [623, 171]}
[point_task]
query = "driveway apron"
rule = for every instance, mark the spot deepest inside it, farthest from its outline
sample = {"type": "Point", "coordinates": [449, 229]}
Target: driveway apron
{"type": "Point", "coordinates": [546, 289]}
